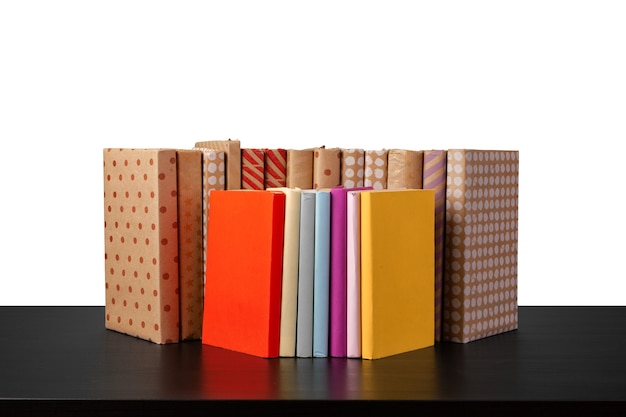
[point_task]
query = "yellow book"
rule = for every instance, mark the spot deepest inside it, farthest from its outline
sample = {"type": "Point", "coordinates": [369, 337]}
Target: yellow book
{"type": "Point", "coordinates": [397, 271]}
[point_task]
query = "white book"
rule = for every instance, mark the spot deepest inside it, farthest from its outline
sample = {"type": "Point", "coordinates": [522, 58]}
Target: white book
{"type": "Point", "coordinates": [289, 297]}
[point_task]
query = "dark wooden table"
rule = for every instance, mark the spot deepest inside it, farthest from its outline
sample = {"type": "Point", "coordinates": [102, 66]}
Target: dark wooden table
{"type": "Point", "coordinates": [62, 359]}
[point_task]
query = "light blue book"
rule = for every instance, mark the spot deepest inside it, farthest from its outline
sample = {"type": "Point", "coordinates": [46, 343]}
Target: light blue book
{"type": "Point", "coordinates": [306, 270]}
{"type": "Point", "coordinates": [321, 273]}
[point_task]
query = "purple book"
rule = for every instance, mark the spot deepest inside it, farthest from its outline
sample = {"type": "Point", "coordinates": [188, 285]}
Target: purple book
{"type": "Point", "coordinates": [338, 335]}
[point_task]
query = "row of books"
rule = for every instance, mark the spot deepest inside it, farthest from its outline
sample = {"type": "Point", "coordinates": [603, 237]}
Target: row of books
{"type": "Point", "coordinates": [474, 239]}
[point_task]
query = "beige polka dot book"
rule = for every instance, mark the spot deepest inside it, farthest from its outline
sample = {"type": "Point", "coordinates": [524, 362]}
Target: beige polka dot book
{"type": "Point", "coordinates": [157, 207]}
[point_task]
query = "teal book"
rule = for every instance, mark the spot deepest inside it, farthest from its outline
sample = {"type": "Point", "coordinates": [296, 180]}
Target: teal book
{"type": "Point", "coordinates": [321, 274]}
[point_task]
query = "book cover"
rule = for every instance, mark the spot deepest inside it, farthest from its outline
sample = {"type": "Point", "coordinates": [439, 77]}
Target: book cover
{"type": "Point", "coordinates": [375, 175]}
{"type": "Point", "coordinates": [434, 178]}
{"type": "Point", "coordinates": [321, 275]}
{"type": "Point", "coordinates": [480, 272]}
{"type": "Point", "coordinates": [352, 167]}
{"type": "Point", "coordinates": [190, 253]}
{"type": "Point", "coordinates": [141, 243]}
{"type": "Point", "coordinates": [338, 271]}
{"type": "Point", "coordinates": [252, 169]}
{"type": "Point", "coordinates": [232, 159]}
{"type": "Point", "coordinates": [404, 169]}
{"type": "Point", "coordinates": [326, 167]}
{"type": "Point", "coordinates": [244, 272]}
{"type": "Point", "coordinates": [306, 270]}
{"type": "Point", "coordinates": [300, 168]}
{"type": "Point", "coordinates": [275, 168]}
{"type": "Point", "coordinates": [397, 271]}
{"type": "Point", "coordinates": [291, 256]}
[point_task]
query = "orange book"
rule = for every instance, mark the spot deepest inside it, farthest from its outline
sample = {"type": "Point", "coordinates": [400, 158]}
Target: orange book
{"type": "Point", "coordinates": [244, 271]}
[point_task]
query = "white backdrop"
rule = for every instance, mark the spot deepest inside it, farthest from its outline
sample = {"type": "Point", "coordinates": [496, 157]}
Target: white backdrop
{"type": "Point", "coordinates": [547, 78]}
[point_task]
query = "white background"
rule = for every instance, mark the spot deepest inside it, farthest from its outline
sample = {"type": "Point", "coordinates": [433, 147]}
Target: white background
{"type": "Point", "coordinates": [547, 78]}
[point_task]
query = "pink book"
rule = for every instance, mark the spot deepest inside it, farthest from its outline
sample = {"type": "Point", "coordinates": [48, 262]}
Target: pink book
{"type": "Point", "coordinates": [338, 339]}
{"type": "Point", "coordinates": [353, 278]}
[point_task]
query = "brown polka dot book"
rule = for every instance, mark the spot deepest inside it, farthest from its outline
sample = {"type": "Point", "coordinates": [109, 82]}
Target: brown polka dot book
{"type": "Point", "coordinates": [158, 212]}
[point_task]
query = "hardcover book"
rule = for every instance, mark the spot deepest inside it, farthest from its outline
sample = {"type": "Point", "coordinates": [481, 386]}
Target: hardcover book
{"type": "Point", "coordinates": [213, 178]}
{"type": "Point", "coordinates": [190, 253]}
{"type": "Point", "coordinates": [397, 271]}
{"type": "Point", "coordinates": [326, 167]}
{"type": "Point", "coordinates": [306, 270]}
{"type": "Point", "coordinates": [434, 178]}
{"type": "Point", "coordinates": [291, 246]}
{"type": "Point", "coordinates": [232, 158]}
{"type": "Point", "coordinates": [244, 272]}
{"type": "Point", "coordinates": [252, 169]}
{"type": "Point", "coordinates": [375, 175]}
{"type": "Point", "coordinates": [338, 342]}
{"type": "Point", "coordinates": [321, 276]}
{"type": "Point", "coordinates": [352, 167]}
{"type": "Point", "coordinates": [404, 169]}
{"type": "Point", "coordinates": [480, 276]}
{"type": "Point", "coordinates": [300, 168]}
{"type": "Point", "coordinates": [275, 168]}
{"type": "Point", "coordinates": [141, 243]}
{"type": "Point", "coordinates": [353, 277]}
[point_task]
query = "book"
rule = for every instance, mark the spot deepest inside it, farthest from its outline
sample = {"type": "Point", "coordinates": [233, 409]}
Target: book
{"type": "Point", "coordinates": [141, 243]}
{"type": "Point", "coordinates": [275, 168]}
{"type": "Point", "coordinates": [321, 275]}
{"type": "Point", "coordinates": [306, 271]}
{"type": "Point", "coordinates": [338, 271]}
{"type": "Point", "coordinates": [353, 275]}
{"type": "Point", "coordinates": [434, 178]}
{"type": "Point", "coordinates": [397, 271]}
{"type": "Point", "coordinates": [352, 167]}
{"type": "Point", "coordinates": [242, 306]}
{"type": "Point", "coordinates": [300, 168]}
{"type": "Point", "coordinates": [213, 178]}
{"type": "Point", "coordinates": [480, 272]}
{"type": "Point", "coordinates": [404, 169]}
{"type": "Point", "coordinates": [252, 169]}
{"type": "Point", "coordinates": [190, 238]}
{"type": "Point", "coordinates": [326, 167]}
{"type": "Point", "coordinates": [375, 174]}
{"type": "Point", "coordinates": [232, 159]}
{"type": "Point", "coordinates": [291, 246]}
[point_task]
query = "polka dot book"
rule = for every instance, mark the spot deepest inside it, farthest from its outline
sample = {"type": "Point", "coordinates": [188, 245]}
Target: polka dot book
{"type": "Point", "coordinates": [480, 278]}
{"type": "Point", "coordinates": [375, 174]}
{"type": "Point", "coordinates": [326, 167]}
{"type": "Point", "coordinates": [352, 167]}
{"type": "Point", "coordinates": [141, 243]}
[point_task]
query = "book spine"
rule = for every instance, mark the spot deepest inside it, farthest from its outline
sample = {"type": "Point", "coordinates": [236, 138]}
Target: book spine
{"type": "Point", "coordinates": [404, 169]}
{"type": "Point", "coordinates": [326, 167]}
{"type": "Point", "coordinates": [375, 175]}
{"type": "Point", "coordinates": [435, 178]}
{"type": "Point", "coordinates": [306, 267]}
{"type": "Point", "coordinates": [352, 167]}
{"type": "Point", "coordinates": [275, 168]}
{"type": "Point", "coordinates": [252, 169]}
{"type": "Point", "coordinates": [321, 276]}
{"type": "Point", "coordinates": [338, 294]}
{"type": "Point", "coordinates": [367, 274]}
{"type": "Point", "coordinates": [300, 168]}
{"type": "Point", "coordinates": [190, 259]}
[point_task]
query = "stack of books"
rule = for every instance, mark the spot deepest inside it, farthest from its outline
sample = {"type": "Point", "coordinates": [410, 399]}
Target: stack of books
{"type": "Point", "coordinates": [321, 252]}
